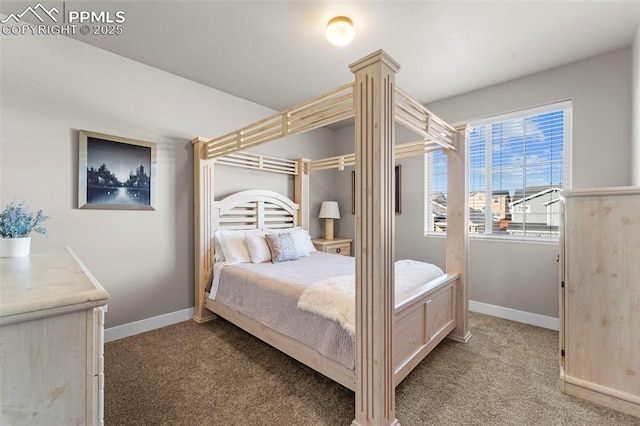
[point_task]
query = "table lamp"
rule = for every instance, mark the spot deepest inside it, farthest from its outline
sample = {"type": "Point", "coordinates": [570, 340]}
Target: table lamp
{"type": "Point", "coordinates": [329, 211]}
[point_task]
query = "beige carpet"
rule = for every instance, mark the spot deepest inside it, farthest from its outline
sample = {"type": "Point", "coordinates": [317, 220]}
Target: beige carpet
{"type": "Point", "coordinates": [216, 374]}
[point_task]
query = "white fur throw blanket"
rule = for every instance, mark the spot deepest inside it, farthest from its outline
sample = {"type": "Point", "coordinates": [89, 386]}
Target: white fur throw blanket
{"type": "Point", "coordinates": [334, 298]}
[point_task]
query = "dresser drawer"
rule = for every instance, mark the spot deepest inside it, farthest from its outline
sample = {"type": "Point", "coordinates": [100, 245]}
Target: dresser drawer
{"type": "Point", "coordinates": [343, 249]}
{"type": "Point", "coordinates": [341, 246]}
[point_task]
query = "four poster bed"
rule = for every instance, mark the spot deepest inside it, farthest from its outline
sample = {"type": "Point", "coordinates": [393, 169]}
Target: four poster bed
{"type": "Point", "coordinates": [392, 333]}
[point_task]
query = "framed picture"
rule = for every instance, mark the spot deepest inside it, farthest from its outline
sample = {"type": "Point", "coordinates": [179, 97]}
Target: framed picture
{"type": "Point", "coordinates": [397, 181]}
{"type": "Point", "coordinates": [115, 172]}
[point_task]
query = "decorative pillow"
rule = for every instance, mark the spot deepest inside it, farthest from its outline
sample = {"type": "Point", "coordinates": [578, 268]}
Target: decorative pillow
{"type": "Point", "coordinates": [234, 248]}
{"type": "Point", "coordinates": [302, 240]}
{"type": "Point", "coordinates": [258, 247]}
{"type": "Point", "coordinates": [282, 247]}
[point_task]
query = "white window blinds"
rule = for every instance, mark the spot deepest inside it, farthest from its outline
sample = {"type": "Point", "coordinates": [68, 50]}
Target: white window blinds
{"type": "Point", "coordinates": [518, 163]}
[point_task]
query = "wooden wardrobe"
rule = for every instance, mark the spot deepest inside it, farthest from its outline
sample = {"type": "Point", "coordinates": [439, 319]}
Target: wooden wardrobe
{"type": "Point", "coordinates": [600, 297]}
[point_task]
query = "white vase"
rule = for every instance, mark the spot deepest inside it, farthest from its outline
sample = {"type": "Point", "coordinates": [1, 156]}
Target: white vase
{"type": "Point", "coordinates": [15, 247]}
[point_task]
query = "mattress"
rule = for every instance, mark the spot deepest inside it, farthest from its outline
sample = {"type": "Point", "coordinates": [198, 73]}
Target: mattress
{"type": "Point", "coordinates": [269, 293]}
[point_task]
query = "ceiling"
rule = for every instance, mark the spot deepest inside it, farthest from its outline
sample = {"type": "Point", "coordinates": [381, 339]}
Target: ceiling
{"type": "Point", "coordinates": [274, 52]}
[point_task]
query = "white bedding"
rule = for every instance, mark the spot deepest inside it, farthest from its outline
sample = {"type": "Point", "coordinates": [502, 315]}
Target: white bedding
{"type": "Point", "coordinates": [334, 298]}
{"type": "Point", "coordinates": [215, 283]}
{"type": "Point", "coordinates": [269, 293]}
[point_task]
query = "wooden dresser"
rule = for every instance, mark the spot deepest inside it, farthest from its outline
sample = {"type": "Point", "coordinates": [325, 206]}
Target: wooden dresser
{"type": "Point", "coordinates": [600, 297]}
{"type": "Point", "coordinates": [51, 341]}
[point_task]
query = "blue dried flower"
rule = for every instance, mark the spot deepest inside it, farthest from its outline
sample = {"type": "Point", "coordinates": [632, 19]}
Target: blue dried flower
{"type": "Point", "coordinates": [17, 222]}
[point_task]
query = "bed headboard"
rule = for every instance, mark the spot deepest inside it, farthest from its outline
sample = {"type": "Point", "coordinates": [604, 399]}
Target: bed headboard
{"type": "Point", "coordinates": [254, 209]}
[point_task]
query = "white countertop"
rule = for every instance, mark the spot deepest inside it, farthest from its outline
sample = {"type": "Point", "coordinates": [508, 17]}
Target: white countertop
{"type": "Point", "coordinates": [49, 282]}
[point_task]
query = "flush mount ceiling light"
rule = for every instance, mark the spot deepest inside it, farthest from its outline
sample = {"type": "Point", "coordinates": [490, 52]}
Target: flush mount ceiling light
{"type": "Point", "coordinates": [340, 31]}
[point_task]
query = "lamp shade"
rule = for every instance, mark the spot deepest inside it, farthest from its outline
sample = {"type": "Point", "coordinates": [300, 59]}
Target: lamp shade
{"type": "Point", "coordinates": [329, 210]}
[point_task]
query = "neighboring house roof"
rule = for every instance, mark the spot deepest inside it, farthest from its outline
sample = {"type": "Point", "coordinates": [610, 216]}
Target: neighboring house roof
{"type": "Point", "coordinates": [498, 192]}
{"type": "Point", "coordinates": [440, 205]}
{"type": "Point", "coordinates": [532, 227]}
{"type": "Point", "coordinates": [555, 200]}
{"type": "Point", "coordinates": [518, 196]}
{"type": "Point", "coordinates": [439, 197]}
{"type": "Point", "coordinates": [476, 217]}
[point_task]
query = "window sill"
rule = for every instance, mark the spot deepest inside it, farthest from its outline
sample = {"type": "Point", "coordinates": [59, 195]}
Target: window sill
{"type": "Point", "coordinates": [498, 238]}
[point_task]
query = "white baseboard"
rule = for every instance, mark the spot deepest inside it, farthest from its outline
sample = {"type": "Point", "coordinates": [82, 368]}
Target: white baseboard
{"type": "Point", "coordinates": [137, 327]}
{"type": "Point", "coordinates": [514, 315]}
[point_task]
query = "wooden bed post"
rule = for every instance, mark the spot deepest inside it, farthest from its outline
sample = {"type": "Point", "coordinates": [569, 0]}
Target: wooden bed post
{"type": "Point", "coordinates": [203, 232]}
{"type": "Point", "coordinates": [374, 142]}
{"type": "Point", "coordinates": [301, 192]}
{"type": "Point", "coordinates": [458, 229]}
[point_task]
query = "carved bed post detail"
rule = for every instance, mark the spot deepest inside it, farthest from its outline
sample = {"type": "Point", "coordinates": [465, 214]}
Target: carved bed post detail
{"type": "Point", "coordinates": [203, 233]}
{"type": "Point", "coordinates": [458, 229]}
{"type": "Point", "coordinates": [301, 192]}
{"type": "Point", "coordinates": [375, 221]}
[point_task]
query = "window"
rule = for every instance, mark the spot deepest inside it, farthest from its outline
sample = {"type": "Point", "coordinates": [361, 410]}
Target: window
{"type": "Point", "coordinates": [518, 163]}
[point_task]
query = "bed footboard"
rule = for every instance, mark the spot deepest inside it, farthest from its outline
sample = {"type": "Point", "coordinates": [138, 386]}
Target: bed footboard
{"type": "Point", "coordinates": [421, 322]}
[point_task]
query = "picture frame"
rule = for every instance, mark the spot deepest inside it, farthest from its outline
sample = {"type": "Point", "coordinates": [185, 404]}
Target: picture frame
{"type": "Point", "coordinates": [397, 181]}
{"type": "Point", "coordinates": [115, 172]}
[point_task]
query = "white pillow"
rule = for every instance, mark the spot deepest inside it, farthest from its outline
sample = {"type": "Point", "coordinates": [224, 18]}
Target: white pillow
{"type": "Point", "coordinates": [300, 240]}
{"type": "Point", "coordinates": [258, 247]}
{"type": "Point", "coordinates": [307, 241]}
{"type": "Point", "coordinates": [234, 248]}
{"type": "Point", "coordinates": [219, 256]}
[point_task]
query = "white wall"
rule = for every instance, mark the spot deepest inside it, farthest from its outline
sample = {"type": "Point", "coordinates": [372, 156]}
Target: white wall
{"type": "Point", "coordinates": [53, 86]}
{"type": "Point", "coordinates": [635, 152]}
{"type": "Point", "coordinates": [519, 275]}
{"type": "Point", "coordinates": [601, 92]}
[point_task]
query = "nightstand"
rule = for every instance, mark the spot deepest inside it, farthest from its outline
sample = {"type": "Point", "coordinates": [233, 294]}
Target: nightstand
{"type": "Point", "coordinates": [336, 246]}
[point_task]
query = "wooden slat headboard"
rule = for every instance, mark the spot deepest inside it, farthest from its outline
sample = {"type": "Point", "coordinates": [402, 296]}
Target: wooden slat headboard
{"type": "Point", "coordinates": [253, 209]}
